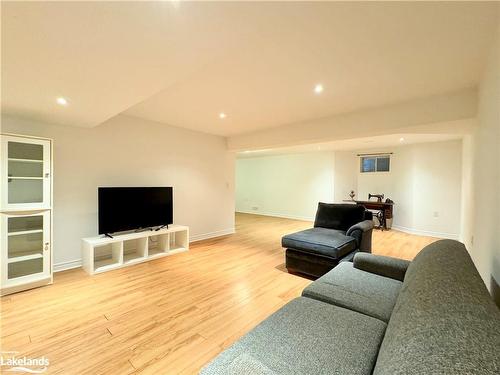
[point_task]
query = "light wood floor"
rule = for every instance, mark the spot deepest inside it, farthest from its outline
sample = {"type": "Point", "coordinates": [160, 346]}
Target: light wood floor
{"type": "Point", "coordinates": [171, 315]}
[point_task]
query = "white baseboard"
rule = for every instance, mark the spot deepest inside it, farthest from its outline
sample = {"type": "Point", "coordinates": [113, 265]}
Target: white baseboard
{"type": "Point", "coordinates": [206, 236]}
{"type": "Point", "coordinates": [63, 266]}
{"type": "Point", "coordinates": [417, 232]}
{"type": "Point", "coordinates": [450, 236]}
{"type": "Point", "coordinates": [274, 214]}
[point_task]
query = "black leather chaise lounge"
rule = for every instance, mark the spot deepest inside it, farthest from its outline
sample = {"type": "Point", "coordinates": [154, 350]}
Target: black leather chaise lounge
{"type": "Point", "coordinates": [340, 231]}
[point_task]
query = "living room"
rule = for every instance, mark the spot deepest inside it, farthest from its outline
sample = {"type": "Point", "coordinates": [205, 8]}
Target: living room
{"type": "Point", "coordinates": [250, 114]}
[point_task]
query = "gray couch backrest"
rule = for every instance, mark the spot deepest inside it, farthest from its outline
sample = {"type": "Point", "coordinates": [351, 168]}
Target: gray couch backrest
{"type": "Point", "coordinates": [338, 216]}
{"type": "Point", "coordinates": [444, 320]}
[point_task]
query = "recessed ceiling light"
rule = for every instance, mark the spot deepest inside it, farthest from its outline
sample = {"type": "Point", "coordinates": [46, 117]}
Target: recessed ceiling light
{"type": "Point", "coordinates": [222, 115]}
{"type": "Point", "coordinates": [62, 101]}
{"type": "Point", "coordinates": [318, 88]}
{"type": "Point", "coordinates": [401, 139]}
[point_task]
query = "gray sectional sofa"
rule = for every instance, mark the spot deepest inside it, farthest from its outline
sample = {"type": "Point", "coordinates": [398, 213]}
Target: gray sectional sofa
{"type": "Point", "coordinates": [379, 315]}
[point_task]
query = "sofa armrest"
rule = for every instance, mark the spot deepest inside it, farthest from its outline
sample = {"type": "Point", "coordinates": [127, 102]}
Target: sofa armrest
{"type": "Point", "coordinates": [362, 232]}
{"type": "Point", "coordinates": [364, 226]}
{"type": "Point", "coordinates": [381, 265]}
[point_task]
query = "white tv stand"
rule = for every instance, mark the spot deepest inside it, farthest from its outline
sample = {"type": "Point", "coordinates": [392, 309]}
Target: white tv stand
{"type": "Point", "coordinates": [101, 254]}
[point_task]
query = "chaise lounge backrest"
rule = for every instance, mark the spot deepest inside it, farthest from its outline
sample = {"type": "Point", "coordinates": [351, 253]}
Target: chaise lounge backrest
{"type": "Point", "coordinates": [350, 219]}
{"type": "Point", "coordinates": [338, 216]}
{"type": "Point", "coordinates": [444, 321]}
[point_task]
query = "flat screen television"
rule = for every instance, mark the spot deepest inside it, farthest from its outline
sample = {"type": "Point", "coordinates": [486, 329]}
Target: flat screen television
{"type": "Point", "coordinates": [128, 208]}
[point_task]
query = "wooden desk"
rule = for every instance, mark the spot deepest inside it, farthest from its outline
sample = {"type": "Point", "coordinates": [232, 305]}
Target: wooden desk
{"type": "Point", "coordinates": [384, 208]}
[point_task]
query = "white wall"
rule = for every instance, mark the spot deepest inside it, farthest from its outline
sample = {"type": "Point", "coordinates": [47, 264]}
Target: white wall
{"type": "Point", "coordinates": [126, 151]}
{"type": "Point", "coordinates": [486, 179]}
{"type": "Point", "coordinates": [285, 185]}
{"type": "Point", "coordinates": [425, 182]}
{"type": "Point", "coordinates": [345, 171]}
{"type": "Point", "coordinates": [437, 188]}
{"type": "Point", "coordinates": [397, 184]}
{"type": "Point", "coordinates": [467, 201]}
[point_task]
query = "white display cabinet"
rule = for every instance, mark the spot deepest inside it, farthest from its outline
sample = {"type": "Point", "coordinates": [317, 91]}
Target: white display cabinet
{"type": "Point", "coordinates": [25, 213]}
{"type": "Point", "coordinates": [101, 254]}
{"type": "Point", "coordinates": [26, 173]}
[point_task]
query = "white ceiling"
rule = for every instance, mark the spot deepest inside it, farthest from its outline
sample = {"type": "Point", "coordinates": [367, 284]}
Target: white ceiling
{"type": "Point", "coordinates": [380, 143]}
{"type": "Point", "coordinates": [183, 63]}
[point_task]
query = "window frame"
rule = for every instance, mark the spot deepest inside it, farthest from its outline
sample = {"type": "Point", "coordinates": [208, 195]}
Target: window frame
{"type": "Point", "coordinates": [376, 158]}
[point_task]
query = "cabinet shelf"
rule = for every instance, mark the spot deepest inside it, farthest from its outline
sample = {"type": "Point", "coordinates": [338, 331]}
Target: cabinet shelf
{"type": "Point", "coordinates": [135, 250]}
{"type": "Point", "coordinates": [177, 248]}
{"type": "Point", "coordinates": [131, 258]}
{"type": "Point", "coordinates": [24, 258]}
{"type": "Point", "coordinates": [102, 254]}
{"type": "Point", "coordinates": [24, 178]}
{"type": "Point", "coordinates": [26, 160]}
{"type": "Point", "coordinates": [105, 264]}
{"type": "Point", "coordinates": [155, 252]}
{"type": "Point", "coordinates": [25, 232]}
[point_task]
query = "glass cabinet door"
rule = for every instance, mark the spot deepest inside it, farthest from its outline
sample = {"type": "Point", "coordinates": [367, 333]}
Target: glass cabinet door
{"type": "Point", "coordinates": [26, 176]}
{"type": "Point", "coordinates": [26, 254]}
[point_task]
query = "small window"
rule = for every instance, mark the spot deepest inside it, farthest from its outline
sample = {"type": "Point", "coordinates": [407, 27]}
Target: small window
{"type": "Point", "coordinates": [368, 164]}
{"type": "Point", "coordinates": [375, 163]}
{"type": "Point", "coordinates": [383, 164]}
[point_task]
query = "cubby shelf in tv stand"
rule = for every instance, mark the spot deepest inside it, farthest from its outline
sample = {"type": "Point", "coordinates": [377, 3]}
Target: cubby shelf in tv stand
{"type": "Point", "coordinates": [169, 241]}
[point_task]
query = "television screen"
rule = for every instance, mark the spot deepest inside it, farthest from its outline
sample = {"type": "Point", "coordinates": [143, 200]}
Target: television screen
{"type": "Point", "coordinates": [127, 208]}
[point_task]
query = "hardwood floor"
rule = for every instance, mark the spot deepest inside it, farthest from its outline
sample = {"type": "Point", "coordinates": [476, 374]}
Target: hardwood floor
{"type": "Point", "coordinates": [171, 315]}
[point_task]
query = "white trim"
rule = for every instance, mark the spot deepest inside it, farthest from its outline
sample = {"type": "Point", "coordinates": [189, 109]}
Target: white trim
{"type": "Point", "coordinates": [274, 214]}
{"type": "Point", "coordinates": [418, 232]}
{"type": "Point", "coordinates": [206, 236]}
{"type": "Point", "coordinates": [451, 236]}
{"type": "Point", "coordinates": [27, 136]}
{"type": "Point", "coordinates": [63, 266]}
{"type": "Point", "coordinates": [24, 258]}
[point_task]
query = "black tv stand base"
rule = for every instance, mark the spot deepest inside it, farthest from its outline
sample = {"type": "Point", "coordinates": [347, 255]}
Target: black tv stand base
{"type": "Point", "coordinates": [143, 230]}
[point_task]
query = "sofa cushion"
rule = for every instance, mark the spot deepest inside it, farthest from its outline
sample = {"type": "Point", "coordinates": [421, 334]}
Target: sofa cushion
{"type": "Point", "coordinates": [328, 242]}
{"type": "Point", "coordinates": [338, 216]}
{"type": "Point", "coordinates": [444, 321]}
{"type": "Point", "coordinates": [357, 290]}
{"type": "Point", "coordinates": [305, 337]}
